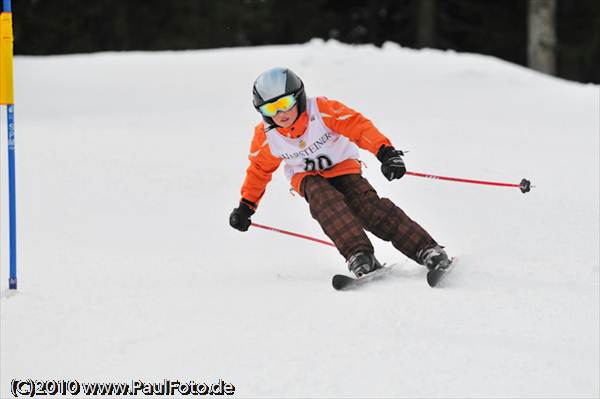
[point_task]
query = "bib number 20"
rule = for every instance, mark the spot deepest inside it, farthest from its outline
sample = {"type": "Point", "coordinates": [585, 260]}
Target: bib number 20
{"type": "Point", "coordinates": [321, 163]}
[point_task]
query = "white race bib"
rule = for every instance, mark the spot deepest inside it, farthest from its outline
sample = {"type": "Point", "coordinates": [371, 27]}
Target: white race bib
{"type": "Point", "coordinates": [319, 148]}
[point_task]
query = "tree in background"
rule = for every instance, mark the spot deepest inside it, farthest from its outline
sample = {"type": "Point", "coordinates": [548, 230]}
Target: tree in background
{"type": "Point", "coordinates": [426, 24]}
{"type": "Point", "coordinates": [541, 44]}
{"type": "Point", "coordinates": [494, 27]}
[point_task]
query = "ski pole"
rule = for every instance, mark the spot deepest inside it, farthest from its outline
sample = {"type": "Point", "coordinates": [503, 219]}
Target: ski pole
{"type": "Point", "coordinates": [292, 234]}
{"type": "Point", "coordinates": [525, 185]}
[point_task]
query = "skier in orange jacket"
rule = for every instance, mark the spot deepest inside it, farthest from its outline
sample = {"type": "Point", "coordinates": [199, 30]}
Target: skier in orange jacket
{"type": "Point", "coordinates": [318, 139]}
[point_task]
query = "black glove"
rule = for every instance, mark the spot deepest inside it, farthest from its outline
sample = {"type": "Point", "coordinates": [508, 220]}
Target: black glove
{"type": "Point", "coordinates": [392, 165]}
{"type": "Point", "coordinates": [240, 217]}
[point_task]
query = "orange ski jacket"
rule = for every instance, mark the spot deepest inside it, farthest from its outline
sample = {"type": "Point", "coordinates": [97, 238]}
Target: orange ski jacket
{"type": "Point", "coordinates": [337, 117]}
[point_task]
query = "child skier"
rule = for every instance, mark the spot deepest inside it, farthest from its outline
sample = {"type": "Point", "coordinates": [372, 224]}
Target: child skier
{"type": "Point", "coordinates": [317, 139]}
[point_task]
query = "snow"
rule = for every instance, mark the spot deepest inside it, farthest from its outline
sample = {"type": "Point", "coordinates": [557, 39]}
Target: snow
{"type": "Point", "coordinates": [128, 165]}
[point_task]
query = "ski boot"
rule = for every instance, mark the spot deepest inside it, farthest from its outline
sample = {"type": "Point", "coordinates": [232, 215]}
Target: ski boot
{"type": "Point", "coordinates": [362, 263]}
{"type": "Point", "coordinates": [434, 258]}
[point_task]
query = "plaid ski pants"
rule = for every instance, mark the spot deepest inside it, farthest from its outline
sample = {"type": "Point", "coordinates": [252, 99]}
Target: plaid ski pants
{"type": "Point", "coordinates": [346, 205]}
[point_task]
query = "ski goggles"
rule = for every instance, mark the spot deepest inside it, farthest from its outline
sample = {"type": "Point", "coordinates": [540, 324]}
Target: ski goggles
{"type": "Point", "coordinates": [281, 104]}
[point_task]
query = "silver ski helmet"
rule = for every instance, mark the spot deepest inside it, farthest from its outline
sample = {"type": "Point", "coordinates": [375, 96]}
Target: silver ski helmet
{"type": "Point", "coordinates": [275, 83]}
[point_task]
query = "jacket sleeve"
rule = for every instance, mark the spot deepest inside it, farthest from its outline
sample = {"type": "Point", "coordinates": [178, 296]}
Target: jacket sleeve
{"type": "Point", "coordinates": [352, 124]}
{"type": "Point", "coordinates": [260, 171]}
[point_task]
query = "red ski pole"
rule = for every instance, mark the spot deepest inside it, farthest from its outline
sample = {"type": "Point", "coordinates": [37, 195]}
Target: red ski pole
{"type": "Point", "coordinates": [525, 184]}
{"type": "Point", "coordinates": [292, 234]}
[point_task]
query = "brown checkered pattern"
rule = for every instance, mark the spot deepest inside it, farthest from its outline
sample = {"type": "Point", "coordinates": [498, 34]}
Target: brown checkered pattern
{"type": "Point", "coordinates": [327, 206]}
{"type": "Point", "coordinates": [345, 205]}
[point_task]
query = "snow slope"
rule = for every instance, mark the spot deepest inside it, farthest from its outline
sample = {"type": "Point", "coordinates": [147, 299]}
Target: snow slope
{"type": "Point", "coordinates": [130, 163]}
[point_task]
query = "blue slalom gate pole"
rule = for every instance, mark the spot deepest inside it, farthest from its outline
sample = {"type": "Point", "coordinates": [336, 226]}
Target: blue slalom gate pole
{"type": "Point", "coordinates": [12, 197]}
{"type": "Point", "coordinates": [7, 98]}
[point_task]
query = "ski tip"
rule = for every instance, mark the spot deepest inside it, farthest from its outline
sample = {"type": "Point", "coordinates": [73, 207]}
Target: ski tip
{"type": "Point", "coordinates": [432, 279]}
{"type": "Point", "coordinates": [435, 276]}
{"type": "Point", "coordinates": [339, 281]}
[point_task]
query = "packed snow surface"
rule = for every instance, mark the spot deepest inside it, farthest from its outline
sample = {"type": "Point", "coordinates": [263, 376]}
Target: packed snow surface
{"type": "Point", "coordinates": [128, 165]}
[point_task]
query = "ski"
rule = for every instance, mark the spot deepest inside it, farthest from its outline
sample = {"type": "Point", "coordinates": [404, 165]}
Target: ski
{"type": "Point", "coordinates": [436, 275]}
{"type": "Point", "coordinates": [343, 282]}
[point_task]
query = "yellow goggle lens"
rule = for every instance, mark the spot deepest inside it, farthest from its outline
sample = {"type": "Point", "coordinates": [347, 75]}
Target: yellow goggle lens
{"type": "Point", "coordinates": [282, 104]}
